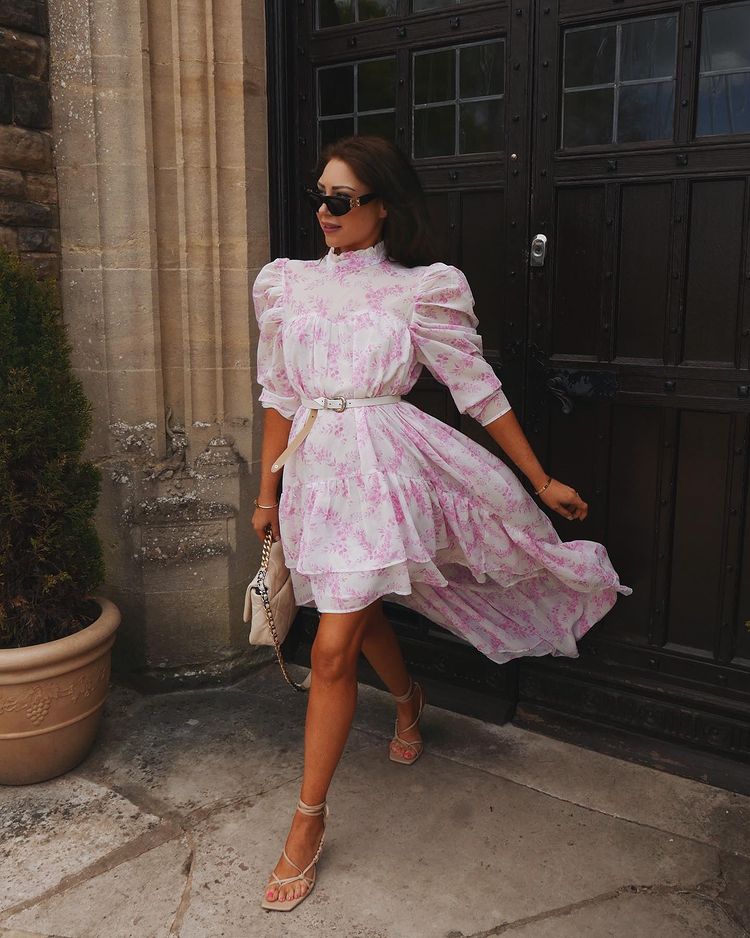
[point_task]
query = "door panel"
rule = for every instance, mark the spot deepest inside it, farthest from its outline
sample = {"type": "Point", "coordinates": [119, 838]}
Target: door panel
{"type": "Point", "coordinates": [439, 206]}
{"type": "Point", "coordinates": [632, 516]}
{"type": "Point", "coordinates": [715, 272]}
{"type": "Point", "coordinates": [645, 296]}
{"type": "Point", "coordinates": [696, 575]}
{"type": "Point", "coordinates": [640, 319]}
{"type": "Point", "coordinates": [484, 260]}
{"type": "Point", "coordinates": [739, 644]}
{"type": "Point", "coordinates": [579, 280]}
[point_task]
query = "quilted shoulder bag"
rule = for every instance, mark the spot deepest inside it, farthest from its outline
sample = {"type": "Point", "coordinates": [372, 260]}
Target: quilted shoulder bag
{"type": "Point", "coordinates": [270, 606]}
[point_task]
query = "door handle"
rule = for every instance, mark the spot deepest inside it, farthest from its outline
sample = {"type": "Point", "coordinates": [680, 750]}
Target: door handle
{"type": "Point", "coordinates": [538, 250]}
{"type": "Point", "coordinates": [558, 388]}
{"type": "Point", "coordinates": [567, 384]}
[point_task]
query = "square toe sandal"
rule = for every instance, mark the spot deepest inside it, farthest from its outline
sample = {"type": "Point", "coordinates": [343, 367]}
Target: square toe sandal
{"type": "Point", "coordinates": [417, 745]}
{"type": "Point", "coordinates": [287, 904]}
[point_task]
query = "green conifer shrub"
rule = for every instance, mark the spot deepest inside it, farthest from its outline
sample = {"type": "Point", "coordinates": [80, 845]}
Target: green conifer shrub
{"type": "Point", "coordinates": [50, 553]}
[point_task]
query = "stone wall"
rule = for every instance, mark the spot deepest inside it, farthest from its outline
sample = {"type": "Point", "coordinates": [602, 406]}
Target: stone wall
{"type": "Point", "coordinates": [28, 189]}
{"type": "Point", "coordinates": [159, 116]}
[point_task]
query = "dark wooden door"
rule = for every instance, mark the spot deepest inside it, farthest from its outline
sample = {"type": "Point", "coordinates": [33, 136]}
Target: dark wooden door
{"type": "Point", "coordinates": [619, 131]}
{"type": "Point", "coordinates": [639, 348]}
{"type": "Point", "coordinates": [450, 83]}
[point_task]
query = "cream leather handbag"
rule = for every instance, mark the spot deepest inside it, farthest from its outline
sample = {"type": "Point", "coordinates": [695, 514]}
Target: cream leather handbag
{"type": "Point", "coordinates": [270, 606]}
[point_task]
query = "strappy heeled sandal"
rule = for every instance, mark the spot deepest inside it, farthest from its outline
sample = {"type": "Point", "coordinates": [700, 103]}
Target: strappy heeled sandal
{"type": "Point", "coordinates": [287, 904]}
{"type": "Point", "coordinates": [416, 745]}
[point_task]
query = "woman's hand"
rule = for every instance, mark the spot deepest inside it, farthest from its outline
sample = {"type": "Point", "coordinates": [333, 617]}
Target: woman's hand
{"type": "Point", "coordinates": [262, 517]}
{"type": "Point", "coordinates": [506, 431]}
{"type": "Point", "coordinates": [564, 500]}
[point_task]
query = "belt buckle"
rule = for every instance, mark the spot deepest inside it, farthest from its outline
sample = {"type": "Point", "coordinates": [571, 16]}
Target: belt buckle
{"type": "Point", "coordinates": [340, 409]}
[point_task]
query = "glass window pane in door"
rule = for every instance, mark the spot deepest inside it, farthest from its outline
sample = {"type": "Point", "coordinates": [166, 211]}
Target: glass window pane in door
{"type": "Point", "coordinates": [435, 131]}
{"type": "Point", "coordinates": [649, 48]}
{"type": "Point", "coordinates": [376, 84]}
{"type": "Point", "coordinates": [331, 130]}
{"type": "Point", "coordinates": [481, 69]}
{"type": "Point", "coordinates": [725, 38]}
{"type": "Point", "coordinates": [480, 126]}
{"type": "Point", "coordinates": [335, 12]}
{"type": "Point", "coordinates": [724, 105]}
{"type": "Point", "coordinates": [589, 56]}
{"type": "Point", "coordinates": [434, 76]}
{"type": "Point", "coordinates": [382, 124]}
{"type": "Point", "coordinates": [371, 9]}
{"type": "Point", "coordinates": [336, 89]}
{"type": "Point", "coordinates": [587, 117]}
{"type": "Point", "coordinates": [646, 112]}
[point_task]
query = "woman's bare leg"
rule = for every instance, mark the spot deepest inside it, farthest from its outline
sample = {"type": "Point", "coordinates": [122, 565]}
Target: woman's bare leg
{"type": "Point", "coordinates": [330, 711]}
{"type": "Point", "coordinates": [381, 648]}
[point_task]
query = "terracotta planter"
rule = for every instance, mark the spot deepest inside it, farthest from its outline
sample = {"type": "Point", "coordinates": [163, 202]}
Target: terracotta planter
{"type": "Point", "coordinates": [51, 698]}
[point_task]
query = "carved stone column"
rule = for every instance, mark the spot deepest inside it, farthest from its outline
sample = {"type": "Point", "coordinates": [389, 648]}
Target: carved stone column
{"type": "Point", "coordinates": [159, 130]}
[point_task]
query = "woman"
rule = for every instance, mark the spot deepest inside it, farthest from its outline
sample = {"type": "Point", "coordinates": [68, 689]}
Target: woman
{"type": "Point", "coordinates": [380, 499]}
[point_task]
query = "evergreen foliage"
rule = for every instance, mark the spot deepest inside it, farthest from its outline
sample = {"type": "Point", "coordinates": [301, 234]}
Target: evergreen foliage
{"type": "Point", "coordinates": [50, 553]}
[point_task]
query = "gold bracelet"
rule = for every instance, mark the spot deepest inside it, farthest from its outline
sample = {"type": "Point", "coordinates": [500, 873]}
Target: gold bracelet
{"type": "Point", "coordinates": [264, 506]}
{"type": "Point", "coordinates": [546, 485]}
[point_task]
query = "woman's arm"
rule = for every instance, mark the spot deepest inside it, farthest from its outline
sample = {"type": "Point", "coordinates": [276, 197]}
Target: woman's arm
{"type": "Point", "coordinates": [507, 433]}
{"type": "Point", "coordinates": [275, 438]}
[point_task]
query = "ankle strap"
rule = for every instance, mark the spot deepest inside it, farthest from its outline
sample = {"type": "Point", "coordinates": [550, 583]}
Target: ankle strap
{"type": "Point", "coordinates": [404, 697]}
{"type": "Point", "coordinates": [310, 809]}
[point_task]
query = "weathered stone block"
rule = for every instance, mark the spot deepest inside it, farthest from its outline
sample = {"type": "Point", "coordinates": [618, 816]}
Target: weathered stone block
{"type": "Point", "coordinates": [129, 316]}
{"type": "Point", "coordinates": [9, 239]}
{"type": "Point", "coordinates": [6, 99]}
{"type": "Point", "coordinates": [46, 265]}
{"type": "Point", "coordinates": [38, 239]}
{"type": "Point", "coordinates": [25, 149]}
{"type": "Point", "coordinates": [40, 187]}
{"type": "Point", "coordinates": [82, 292]}
{"type": "Point", "coordinates": [23, 54]}
{"type": "Point", "coordinates": [28, 15]}
{"type": "Point", "coordinates": [31, 214]}
{"type": "Point", "coordinates": [31, 103]}
{"type": "Point", "coordinates": [81, 246]}
{"type": "Point", "coordinates": [11, 184]}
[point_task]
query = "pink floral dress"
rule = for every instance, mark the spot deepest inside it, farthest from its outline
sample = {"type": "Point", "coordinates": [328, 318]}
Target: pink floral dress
{"type": "Point", "coordinates": [386, 500]}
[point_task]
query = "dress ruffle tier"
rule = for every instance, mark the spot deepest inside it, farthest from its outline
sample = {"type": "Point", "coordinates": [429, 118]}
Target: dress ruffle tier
{"type": "Point", "coordinates": [387, 501]}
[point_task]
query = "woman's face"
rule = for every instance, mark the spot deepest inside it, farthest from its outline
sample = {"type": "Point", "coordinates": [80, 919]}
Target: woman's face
{"type": "Point", "coordinates": [359, 228]}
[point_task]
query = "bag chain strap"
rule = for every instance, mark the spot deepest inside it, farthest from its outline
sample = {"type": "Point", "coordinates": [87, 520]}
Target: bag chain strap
{"type": "Point", "coordinates": [262, 589]}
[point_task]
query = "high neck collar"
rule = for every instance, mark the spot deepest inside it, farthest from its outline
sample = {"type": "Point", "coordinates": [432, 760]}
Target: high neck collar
{"type": "Point", "coordinates": [354, 260]}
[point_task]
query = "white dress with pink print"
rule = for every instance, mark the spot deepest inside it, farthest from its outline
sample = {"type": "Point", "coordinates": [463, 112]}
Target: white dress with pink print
{"type": "Point", "coordinates": [386, 500]}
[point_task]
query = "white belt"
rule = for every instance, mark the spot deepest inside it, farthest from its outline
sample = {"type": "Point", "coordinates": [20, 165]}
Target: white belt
{"type": "Point", "coordinates": [338, 404]}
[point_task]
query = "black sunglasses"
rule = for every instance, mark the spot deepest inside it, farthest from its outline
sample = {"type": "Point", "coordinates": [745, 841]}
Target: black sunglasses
{"type": "Point", "coordinates": [337, 204]}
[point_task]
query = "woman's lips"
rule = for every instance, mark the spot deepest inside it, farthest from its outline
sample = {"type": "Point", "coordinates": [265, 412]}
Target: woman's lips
{"type": "Point", "coordinates": [330, 227]}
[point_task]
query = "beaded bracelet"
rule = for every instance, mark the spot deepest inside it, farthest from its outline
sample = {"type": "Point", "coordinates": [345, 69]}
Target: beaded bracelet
{"type": "Point", "coordinates": [255, 500]}
{"type": "Point", "coordinates": [546, 485]}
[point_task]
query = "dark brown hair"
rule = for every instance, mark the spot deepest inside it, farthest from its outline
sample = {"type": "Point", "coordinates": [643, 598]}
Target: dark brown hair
{"type": "Point", "coordinates": [383, 168]}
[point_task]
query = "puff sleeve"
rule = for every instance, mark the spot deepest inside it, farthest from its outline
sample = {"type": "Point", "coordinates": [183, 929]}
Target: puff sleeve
{"type": "Point", "coordinates": [444, 333]}
{"type": "Point", "coordinates": [268, 299]}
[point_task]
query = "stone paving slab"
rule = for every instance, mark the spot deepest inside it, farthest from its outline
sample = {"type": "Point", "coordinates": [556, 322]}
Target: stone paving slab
{"type": "Point", "coordinates": [598, 781]}
{"type": "Point", "coordinates": [735, 891]}
{"type": "Point", "coordinates": [189, 750]}
{"type": "Point", "coordinates": [454, 849]}
{"type": "Point", "coordinates": [51, 830]}
{"type": "Point", "coordinates": [581, 776]}
{"type": "Point", "coordinates": [631, 916]}
{"type": "Point", "coordinates": [139, 898]}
